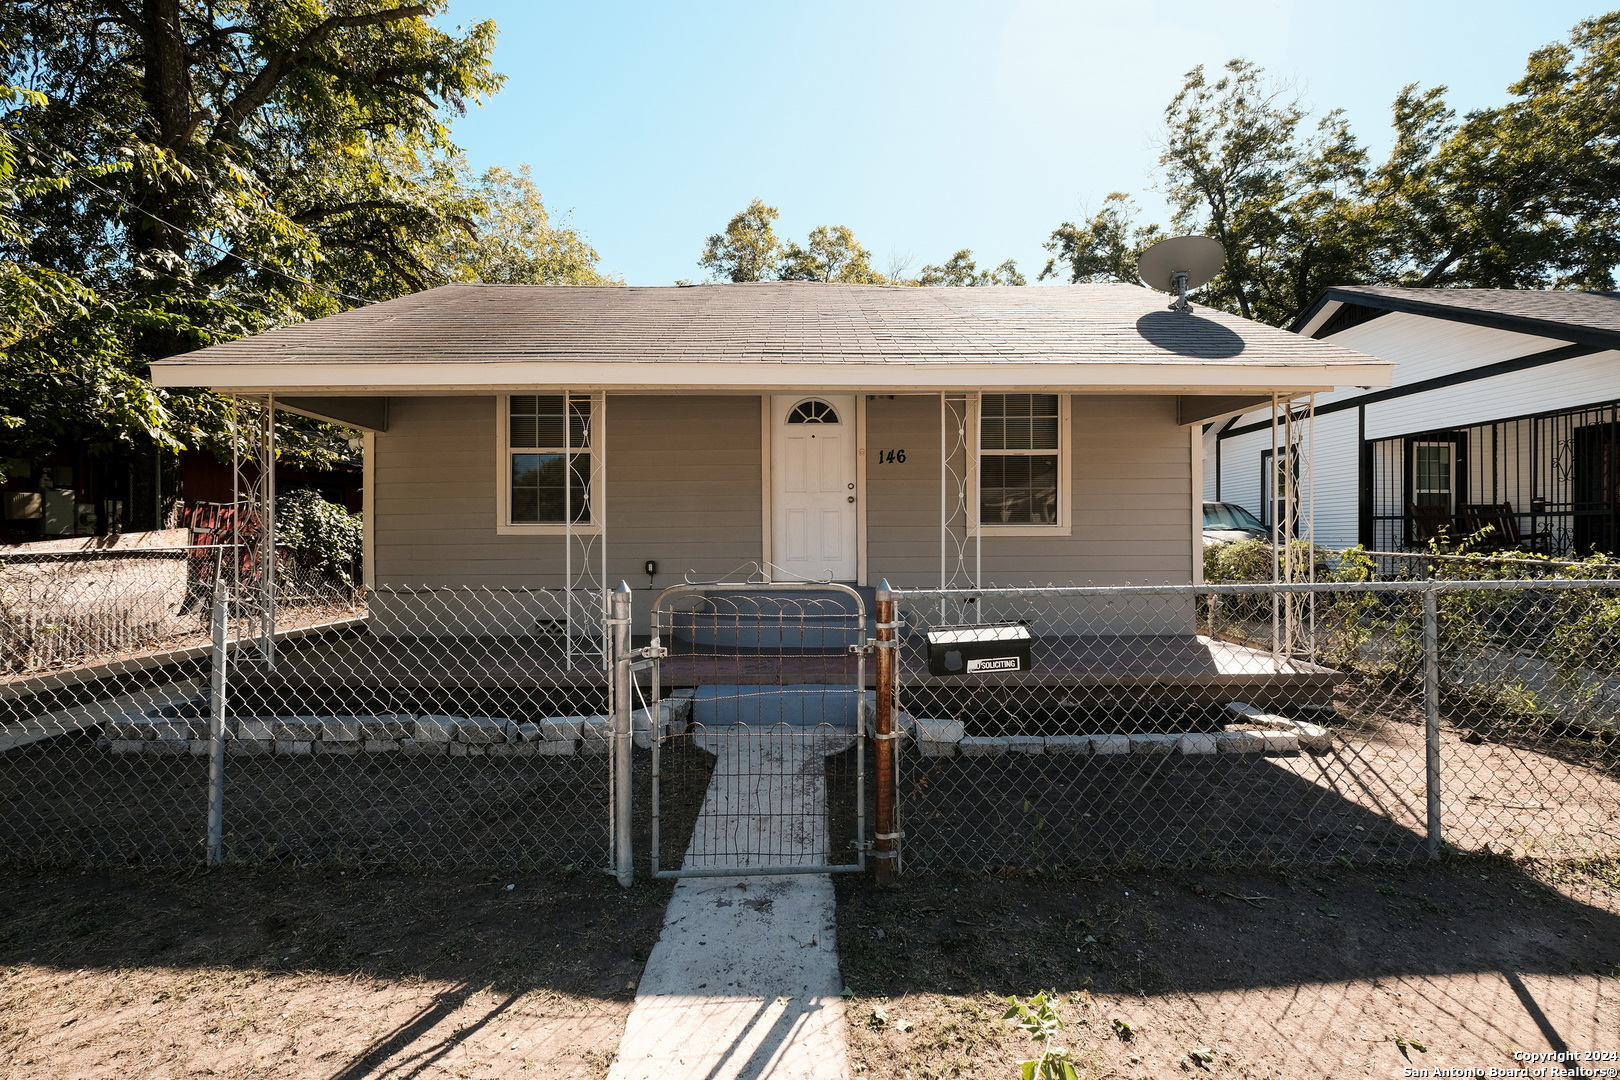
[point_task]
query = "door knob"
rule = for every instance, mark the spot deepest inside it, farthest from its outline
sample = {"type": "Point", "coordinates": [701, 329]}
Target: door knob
{"type": "Point", "coordinates": [851, 498]}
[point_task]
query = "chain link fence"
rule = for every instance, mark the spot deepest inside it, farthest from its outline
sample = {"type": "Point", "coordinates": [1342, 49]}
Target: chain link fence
{"type": "Point", "coordinates": [1368, 722]}
{"type": "Point", "coordinates": [145, 719]}
{"type": "Point", "coordinates": [148, 719]}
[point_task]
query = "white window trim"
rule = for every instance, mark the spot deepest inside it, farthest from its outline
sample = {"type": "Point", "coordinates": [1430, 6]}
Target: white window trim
{"type": "Point", "coordinates": [504, 526]}
{"type": "Point", "coordinates": [1061, 527]}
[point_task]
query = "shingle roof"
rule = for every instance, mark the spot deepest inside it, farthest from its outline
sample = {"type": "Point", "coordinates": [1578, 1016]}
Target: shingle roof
{"type": "Point", "coordinates": [776, 323]}
{"type": "Point", "coordinates": [1590, 318]}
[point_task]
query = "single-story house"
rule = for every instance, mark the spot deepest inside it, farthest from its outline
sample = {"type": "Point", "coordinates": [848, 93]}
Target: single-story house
{"type": "Point", "coordinates": [565, 438]}
{"type": "Point", "coordinates": [1503, 414]}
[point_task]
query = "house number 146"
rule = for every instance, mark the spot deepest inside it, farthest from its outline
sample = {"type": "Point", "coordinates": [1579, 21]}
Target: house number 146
{"type": "Point", "coordinates": [891, 457]}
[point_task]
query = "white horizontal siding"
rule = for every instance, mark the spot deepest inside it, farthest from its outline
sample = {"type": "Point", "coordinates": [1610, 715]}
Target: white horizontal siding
{"type": "Point", "coordinates": [1333, 483]}
{"type": "Point", "coordinates": [1567, 384]}
{"type": "Point", "coordinates": [1335, 480]}
{"type": "Point", "coordinates": [1422, 348]}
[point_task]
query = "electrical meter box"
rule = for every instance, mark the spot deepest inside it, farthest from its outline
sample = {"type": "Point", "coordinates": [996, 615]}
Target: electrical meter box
{"type": "Point", "coordinates": [983, 648]}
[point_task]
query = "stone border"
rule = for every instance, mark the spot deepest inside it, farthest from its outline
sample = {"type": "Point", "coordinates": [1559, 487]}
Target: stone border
{"type": "Point", "coordinates": [166, 730]}
{"type": "Point", "coordinates": [935, 738]}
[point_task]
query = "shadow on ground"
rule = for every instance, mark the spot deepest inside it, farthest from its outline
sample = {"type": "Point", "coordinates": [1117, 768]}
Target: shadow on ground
{"type": "Point", "coordinates": [1298, 973]}
{"type": "Point", "coordinates": [328, 974]}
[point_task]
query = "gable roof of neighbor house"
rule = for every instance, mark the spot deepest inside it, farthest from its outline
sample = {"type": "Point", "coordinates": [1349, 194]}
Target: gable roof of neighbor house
{"type": "Point", "coordinates": [773, 334]}
{"type": "Point", "coordinates": [1584, 318]}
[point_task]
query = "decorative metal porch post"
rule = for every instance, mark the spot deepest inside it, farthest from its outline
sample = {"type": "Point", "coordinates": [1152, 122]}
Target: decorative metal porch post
{"type": "Point", "coordinates": [253, 530]}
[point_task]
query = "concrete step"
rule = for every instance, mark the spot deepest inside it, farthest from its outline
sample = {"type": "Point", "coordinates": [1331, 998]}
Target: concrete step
{"type": "Point", "coordinates": [801, 705]}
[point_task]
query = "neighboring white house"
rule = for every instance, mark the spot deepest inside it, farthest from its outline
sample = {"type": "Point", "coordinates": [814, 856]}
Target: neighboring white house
{"type": "Point", "coordinates": [1504, 406]}
{"type": "Point", "coordinates": [568, 437]}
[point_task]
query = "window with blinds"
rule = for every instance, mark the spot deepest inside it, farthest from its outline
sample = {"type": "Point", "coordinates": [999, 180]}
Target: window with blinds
{"type": "Point", "coordinates": [1020, 440]}
{"type": "Point", "coordinates": [549, 459]}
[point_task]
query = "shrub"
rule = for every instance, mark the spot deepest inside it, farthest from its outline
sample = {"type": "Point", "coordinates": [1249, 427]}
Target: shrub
{"type": "Point", "coordinates": [323, 537]}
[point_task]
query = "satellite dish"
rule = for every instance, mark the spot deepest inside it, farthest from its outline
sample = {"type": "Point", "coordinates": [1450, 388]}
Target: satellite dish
{"type": "Point", "coordinates": [1180, 264]}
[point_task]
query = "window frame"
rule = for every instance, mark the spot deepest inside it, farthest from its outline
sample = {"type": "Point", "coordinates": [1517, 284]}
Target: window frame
{"type": "Point", "coordinates": [1065, 487]}
{"type": "Point", "coordinates": [1453, 471]}
{"type": "Point", "coordinates": [1271, 500]}
{"type": "Point", "coordinates": [504, 525]}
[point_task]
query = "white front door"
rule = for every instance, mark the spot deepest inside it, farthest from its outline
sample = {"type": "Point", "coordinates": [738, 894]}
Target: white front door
{"type": "Point", "coordinates": [814, 510]}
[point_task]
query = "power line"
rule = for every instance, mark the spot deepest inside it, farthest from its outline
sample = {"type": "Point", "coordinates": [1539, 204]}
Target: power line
{"type": "Point", "coordinates": [191, 234]}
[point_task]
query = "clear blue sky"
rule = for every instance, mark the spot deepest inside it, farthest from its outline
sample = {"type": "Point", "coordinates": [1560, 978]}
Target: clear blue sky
{"type": "Point", "coordinates": [924, 125]}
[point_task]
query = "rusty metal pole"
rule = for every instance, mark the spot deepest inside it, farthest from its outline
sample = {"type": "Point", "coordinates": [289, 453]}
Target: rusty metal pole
{"type": "Point", "coordinates": [887, 835]}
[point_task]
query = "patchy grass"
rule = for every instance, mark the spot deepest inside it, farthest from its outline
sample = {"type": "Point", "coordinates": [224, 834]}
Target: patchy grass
{"type": "Point", "coordinates": [1301, 973]}
{"type": "Point", "coordinates": [330, 974]}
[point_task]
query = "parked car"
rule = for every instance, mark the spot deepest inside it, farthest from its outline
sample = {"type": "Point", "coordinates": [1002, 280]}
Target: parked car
{"type": "Point", "coordinates": [1224, 522]}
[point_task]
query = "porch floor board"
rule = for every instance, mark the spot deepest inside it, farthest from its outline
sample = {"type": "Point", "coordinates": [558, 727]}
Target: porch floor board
{"type": "Point", "coordinates": [1090, 662]}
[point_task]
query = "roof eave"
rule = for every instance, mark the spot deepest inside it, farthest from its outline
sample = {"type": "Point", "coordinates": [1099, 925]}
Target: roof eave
{"type": "Point", "coordinates": [1170, 376]}
{"type": "Point", "coordinates": [1324, 306]}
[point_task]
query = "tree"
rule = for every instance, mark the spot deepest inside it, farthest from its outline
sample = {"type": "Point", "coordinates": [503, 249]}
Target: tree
{"type": "Point", "coordinates": [189, 172]}
{"type": "Point", "coordinates": [748, 250]}
{"type": "Point", "coordinates": [510, 239]}
{"type": "Point", "coordinates": [264, 134]}
{"type": "Point", "coordinates": [1526, 195]}
{"type": "Point", "coordinates": [961, 270]}
{"type": "Point", "coordinates": [831, 254]}
{"type": "Point", "coordinates": [1242, 166]}
{"type": "Point", "coordinates": [1104, 248]}
{"type": "Point", "coordinates": [47, 391]}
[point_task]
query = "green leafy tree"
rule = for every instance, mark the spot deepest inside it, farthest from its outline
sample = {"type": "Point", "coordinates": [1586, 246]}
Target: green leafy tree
{"type": "Point", "coordinates": [748, 250]}
{"type": "Point", "coordinates": [183, 172]}
{"type": "Point", "coordinates": [1525, 195]}
{"type": "Point", "coordinates": [47, 393]}
{"type": "Point", "coordinates": [960, 270]}
{"type": "Point", "coordinates": [509, 238]}
{"type": "Point", "coordinates": [1104, 247]}
{"type": "Point", "coordinates": [1243, 165]}
{"type": "Point", "coordinates": [830, 254]}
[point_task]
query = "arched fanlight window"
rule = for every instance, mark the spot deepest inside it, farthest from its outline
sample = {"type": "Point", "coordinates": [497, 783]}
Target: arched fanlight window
{"type": "Point", "coordinates": [813, 412]}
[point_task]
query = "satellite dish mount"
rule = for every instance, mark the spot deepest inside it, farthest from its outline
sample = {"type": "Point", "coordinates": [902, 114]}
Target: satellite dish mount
{"type": "Point", "coordinates": [1179, 265]}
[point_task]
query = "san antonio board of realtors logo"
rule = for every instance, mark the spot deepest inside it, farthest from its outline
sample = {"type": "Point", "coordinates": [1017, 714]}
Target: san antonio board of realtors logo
{"type": "Point", "coordinates": [994, 663]}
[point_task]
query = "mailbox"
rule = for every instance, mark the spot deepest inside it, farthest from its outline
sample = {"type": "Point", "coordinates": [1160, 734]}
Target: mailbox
{"type": "Point", "coordinates": [986, 647]}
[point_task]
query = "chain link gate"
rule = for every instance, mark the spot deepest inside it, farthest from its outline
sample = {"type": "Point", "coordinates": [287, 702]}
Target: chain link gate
{"type": "Point", "coordinates": [757, 719]}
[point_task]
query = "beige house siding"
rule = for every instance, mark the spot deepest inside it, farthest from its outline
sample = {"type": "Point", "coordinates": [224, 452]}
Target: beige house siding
{"type": "Point", "coordinates": [684, 489]}
{"type": "Point", "coordinates": [1130, 482]}
{"type": "Point", "coordinates": [1131, 479]}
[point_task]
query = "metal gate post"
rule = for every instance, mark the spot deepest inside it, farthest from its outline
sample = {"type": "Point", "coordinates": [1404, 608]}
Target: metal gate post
{"type": "Point", "coordinates": [218, 620]}
{"type": "Point", "coordinates": [619, 641]}
{"type": "Point", "coordinates": [887, 836]}
{"type": "Point", "coordinates": [1431, 714]}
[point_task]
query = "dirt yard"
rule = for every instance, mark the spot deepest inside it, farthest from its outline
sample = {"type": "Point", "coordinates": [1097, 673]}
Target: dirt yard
{"type": "Point", "coordinates": [331, 975]}
{"type": "Point", "coordinates": [1312, 974]}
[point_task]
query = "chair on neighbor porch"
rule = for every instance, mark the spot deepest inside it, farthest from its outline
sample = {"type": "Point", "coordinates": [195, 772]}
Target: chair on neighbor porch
{"type": "Point", "coordinates": [1431, 525]}
{"type": "Point", "coordinates": [1503, 526]}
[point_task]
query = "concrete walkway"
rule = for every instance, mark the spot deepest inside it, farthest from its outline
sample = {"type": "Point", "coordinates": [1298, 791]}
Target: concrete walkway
{"type": "Point", "coordinates": [743, 984]}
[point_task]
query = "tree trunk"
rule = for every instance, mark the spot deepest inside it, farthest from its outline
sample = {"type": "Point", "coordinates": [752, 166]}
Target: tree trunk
{"type": "Point", "coordinates": [158, 233]}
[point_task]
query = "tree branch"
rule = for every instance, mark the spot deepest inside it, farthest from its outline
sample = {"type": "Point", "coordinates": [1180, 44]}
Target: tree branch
{"type": "Point", "coordinates": [276, 68]}
{"type": "Point", "coordinates": [321, 213]}
{"type": "Point", "coordinates": [1445, 262]}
